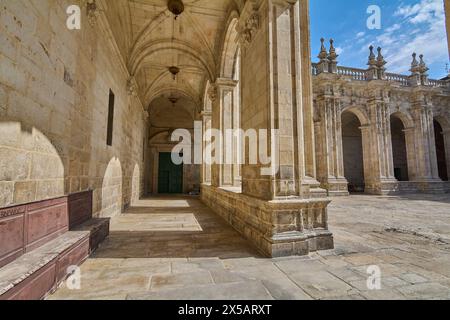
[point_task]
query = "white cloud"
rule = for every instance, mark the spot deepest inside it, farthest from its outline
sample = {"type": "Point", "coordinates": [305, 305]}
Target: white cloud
{"type": "Point", "coordinates": [426, 40]}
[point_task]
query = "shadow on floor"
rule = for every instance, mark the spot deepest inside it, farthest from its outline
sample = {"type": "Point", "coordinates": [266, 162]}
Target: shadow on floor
{"type": "Point", "coordinates": [172, 227]}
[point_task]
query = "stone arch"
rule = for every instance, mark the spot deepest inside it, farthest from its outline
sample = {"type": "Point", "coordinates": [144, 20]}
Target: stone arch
{"type": "Point", "coordinates": [354, 152]}
{"type": "Point", "coordinates": [402, 137]}
{"type": "Point", "coordinates": [31, 166]}
{"type": "Point", "coordinates": [231, 105]}
{"type": "Point", "coordinates": [139, 57]}
{"type": "Point", "coordinates": [359, 113]}
{"type": "Point", "coordinates": [182, 91]}
{"type": "Point", "coordinates": [230, 48]}
{"type": "Point", "coordinates": [442, 141]}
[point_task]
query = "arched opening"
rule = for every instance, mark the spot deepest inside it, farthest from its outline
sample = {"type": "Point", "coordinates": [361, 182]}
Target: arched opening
{"type": "Point", "coordinates": [353, 152]}
{"type": "Point", "coordinates": [167, 118]}
{"type": "Point", "coordinates": [399, 149]}
{"type": "Point", "coordinates": [231, 113]}
{"type": "Point", "coordinates": [440, 151]}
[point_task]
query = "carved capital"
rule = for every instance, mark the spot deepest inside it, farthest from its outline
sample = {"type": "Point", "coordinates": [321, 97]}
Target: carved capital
{"type": "Point", "coordinates": [213, 92]}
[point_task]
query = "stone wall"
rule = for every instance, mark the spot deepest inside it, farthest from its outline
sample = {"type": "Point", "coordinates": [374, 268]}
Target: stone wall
{"type": "Point", "coordinates": [276, 228]}
{"type": "Point", "coordinates": [54, 89]}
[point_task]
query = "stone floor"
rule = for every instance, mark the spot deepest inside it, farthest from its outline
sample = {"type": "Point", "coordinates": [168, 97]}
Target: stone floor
{"type": "Point", "coordinates": [176, 248]}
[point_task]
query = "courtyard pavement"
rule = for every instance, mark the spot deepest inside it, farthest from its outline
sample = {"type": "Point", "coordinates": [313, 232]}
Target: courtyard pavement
{"type": "Point", "coordinates": [176, 248]}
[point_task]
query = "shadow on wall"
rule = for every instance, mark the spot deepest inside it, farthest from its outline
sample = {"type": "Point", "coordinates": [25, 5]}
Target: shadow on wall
{"type": "Point", "coordinates": [111, 192]}
{"type": "Point", "coordinates": [31, 168]}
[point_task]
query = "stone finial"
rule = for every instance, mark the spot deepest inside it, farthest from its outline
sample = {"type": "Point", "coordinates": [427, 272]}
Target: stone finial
{"type": "Point", "coordinates": [418, 72]}
{"type": "Point", "coordinates": [414, 64]}
{"type": "Point", "coordinates": [323, 50]}
{"type": "Point", "coordinates": [323, 66]}
{"type": "Point", "coordinates": [372, 72]}
{"type": "Point", "coordinates": [381, 65]}
{"type": "Point", "coordinates": [332, 58]}
{"type": "Point", "coordinates": [423, 65]}
{"type": "Point", "coordinates": [423, 69]}
{"type": "Point", "coordinates": [372, 58]}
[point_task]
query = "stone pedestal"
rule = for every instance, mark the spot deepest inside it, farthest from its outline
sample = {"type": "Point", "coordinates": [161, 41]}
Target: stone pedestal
{"type": "Point", "coordinates": [276, 228]}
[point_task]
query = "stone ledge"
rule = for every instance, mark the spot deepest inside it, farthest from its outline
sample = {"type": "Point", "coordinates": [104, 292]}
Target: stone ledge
{"type": "Point", "coordinates": [276, 228]}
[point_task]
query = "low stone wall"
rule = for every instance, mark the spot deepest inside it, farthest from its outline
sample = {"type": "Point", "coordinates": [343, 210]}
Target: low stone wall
{"type": "Point", "coordinates": [277, 228]}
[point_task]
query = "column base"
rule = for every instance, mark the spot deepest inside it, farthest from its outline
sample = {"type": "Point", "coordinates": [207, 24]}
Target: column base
{"type": "Point", "coordinates": [383, 187]}
{"type": "Point", "coordinates": [276, 228]}
{"type": "Point", "coordinates": [426, 186]}
{"type": "Point", "coordinates": [336, 187]}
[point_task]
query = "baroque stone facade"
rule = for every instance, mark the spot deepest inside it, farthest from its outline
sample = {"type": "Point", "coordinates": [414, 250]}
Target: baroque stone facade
{"type": "Point", "coordinates": [400, 139]}
{"type": "Point", "coordinates": [96, 108]}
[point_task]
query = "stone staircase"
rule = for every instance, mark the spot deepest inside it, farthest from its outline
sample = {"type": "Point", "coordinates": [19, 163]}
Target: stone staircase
{"type": "Point", "coordinates": [40, 240]}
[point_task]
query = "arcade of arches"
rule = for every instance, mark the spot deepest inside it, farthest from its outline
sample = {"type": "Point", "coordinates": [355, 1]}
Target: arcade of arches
{"type": "Point", "coordinates": [240, 65]}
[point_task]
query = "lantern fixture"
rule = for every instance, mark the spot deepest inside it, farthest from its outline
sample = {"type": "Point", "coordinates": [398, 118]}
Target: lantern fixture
{"type": "Point", "coordinates": [174, 71]}
{"type": "Point", "coordinates": [173, 100]}
{"type": "Point", "coordinates": [176, 7]}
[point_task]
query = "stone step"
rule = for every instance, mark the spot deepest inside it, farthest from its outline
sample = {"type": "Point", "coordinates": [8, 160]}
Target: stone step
{"type": "Point", "coordinates": [98, 228]}
{"type": "Point", "coordinates": [246, 290]}
{"type": "Point", "coordinates": [36, 273]}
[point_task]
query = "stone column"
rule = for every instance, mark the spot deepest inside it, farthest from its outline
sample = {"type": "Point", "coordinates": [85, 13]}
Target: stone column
{"type": "Point", "coordinates": [275, 210]}
{"type": "Point", "coordinates": [206, 166]}
{"type": "Point", "coordinates": [309, 178]}
{"type": "Point", "coordinates": [223, 120]}
{"type": "Point", "coordinates": [277, 96]}
{"type": "Point", "coordinates": [330, 159]}
{"type": "Point", "coordinates": [380, 178]}
{"type": "Point", "coordinates": [425, 146]}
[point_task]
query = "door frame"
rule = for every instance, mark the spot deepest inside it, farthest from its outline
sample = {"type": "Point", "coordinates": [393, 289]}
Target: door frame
{"type": "Point", "coordinates": [156, 150]}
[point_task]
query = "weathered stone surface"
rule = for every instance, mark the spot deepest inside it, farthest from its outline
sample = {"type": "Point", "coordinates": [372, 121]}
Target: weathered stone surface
{"type": "Point", "coordinates": [144, 264]}
{"type": "Point", "coordinates": [250, 290]}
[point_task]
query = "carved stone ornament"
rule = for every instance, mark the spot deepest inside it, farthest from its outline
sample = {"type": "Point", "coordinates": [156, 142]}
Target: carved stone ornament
{"type": "Point", "coordinates": [249, 29]}
{"type": "Point", "coordinates": [132, 87]}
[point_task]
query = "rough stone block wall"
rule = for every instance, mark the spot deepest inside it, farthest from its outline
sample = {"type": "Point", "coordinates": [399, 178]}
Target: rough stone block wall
{"type": "Point", "coordinates": [54, 89]}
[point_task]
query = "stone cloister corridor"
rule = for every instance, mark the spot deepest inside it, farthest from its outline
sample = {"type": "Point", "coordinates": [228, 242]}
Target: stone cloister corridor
{"type": "Point", "coordinates": [176, 248]}
{"type": "Point", "coordinates": [180, 149]}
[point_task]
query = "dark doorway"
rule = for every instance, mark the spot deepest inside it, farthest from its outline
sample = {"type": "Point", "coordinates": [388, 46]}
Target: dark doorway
{"type": "Point", "coordinates": [353, 152]}
{"type": "Point", "coordinates": [170, 175]}
{"type": "Point", "coordinates": [440, 151]}
{"type": "Point", "coordinates": [399, 152]}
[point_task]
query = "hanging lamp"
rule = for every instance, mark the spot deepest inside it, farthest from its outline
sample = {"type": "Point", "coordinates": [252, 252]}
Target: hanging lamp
{"type": "Point", "coordinates": [176, 7]}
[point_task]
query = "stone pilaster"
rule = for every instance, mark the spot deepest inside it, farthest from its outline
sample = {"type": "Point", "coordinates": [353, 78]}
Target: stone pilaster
{"type": "Point", "coordinates": [328, 133]}
{"type": "Point", "coordinates": [377, 145]}
{"type": "Point", "coordinates": [206, 164]}
{"type": "Point", "coordinates": [425, 147]}
{"type": "Point", "coordinates": [223, 107]}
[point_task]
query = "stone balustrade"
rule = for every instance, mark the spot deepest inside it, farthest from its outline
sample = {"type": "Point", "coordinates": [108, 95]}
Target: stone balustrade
{"type": "Point", "coordinates": [376, 70]}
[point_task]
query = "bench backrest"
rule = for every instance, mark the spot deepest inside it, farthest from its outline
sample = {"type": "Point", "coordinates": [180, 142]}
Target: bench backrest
{"type": "Point", "coordinates": [28, 226]}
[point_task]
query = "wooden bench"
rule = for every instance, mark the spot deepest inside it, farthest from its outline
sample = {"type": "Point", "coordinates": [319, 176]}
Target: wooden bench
{"type": "Point", "coordinates": [36, 246]}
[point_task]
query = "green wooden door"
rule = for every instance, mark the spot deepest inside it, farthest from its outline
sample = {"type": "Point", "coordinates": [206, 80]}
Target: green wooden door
{"type": "Point", "coordinates": [170, 176]}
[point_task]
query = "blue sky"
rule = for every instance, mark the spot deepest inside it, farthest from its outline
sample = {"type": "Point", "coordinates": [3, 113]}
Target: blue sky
{"type": "Point", "coordinates": [407, 26]}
